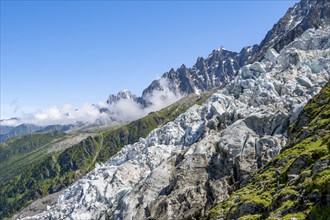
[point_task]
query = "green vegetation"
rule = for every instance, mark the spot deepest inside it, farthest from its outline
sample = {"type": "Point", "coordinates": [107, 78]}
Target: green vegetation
{"type": "Point", "coordinates": [250, 217]}
{"type": "Point", "coordinates": [17, 154]}
{"type": "Point", "coordinates": [59, 170]}
{"type": "Point", "coordinates": [298, 216]}
{"type": "Point", "coordinates": [321, 212]}
{"type": "Point", "coordinates": [296, 183]}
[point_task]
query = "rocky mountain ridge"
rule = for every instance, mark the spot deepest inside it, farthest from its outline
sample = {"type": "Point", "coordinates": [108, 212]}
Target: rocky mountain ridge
{"type": "Point", "coordinates": [219, 67]}
{"type": "Point", "coordinates": [239, 129]}
{"type": "Point", "coordinates": [207, 73]}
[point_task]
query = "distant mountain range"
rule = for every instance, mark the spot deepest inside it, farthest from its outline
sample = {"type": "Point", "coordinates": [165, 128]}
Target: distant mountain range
{"type": "Point", "coordinates": [23, 129]}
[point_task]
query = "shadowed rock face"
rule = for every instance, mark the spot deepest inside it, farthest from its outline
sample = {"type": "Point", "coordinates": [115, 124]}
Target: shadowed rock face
{"type": "Point", "coordinates": [302, 16]}
{"type": "Point", "coordinates": [185, 167]}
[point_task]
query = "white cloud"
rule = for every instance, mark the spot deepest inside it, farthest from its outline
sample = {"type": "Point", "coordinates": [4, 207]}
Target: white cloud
{"type": "Point", "coordinates": [162, 98]}
{"type": "Point", "coordinates": [125, 110]}
{"type": "Point", "coordinates": [65, 114]}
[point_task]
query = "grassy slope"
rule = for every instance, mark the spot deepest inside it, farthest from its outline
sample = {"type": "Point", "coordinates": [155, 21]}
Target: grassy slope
{"type": "Point", "coordinates": [16, 154]}
{"type": "Point", "coordinates": [59, 170]}
{"type": "Point", "coordinates": [296, 183]}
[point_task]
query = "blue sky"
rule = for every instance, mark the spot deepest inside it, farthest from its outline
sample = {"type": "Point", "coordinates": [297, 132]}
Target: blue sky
{"type": "Point", "coordinates": [76, 52]}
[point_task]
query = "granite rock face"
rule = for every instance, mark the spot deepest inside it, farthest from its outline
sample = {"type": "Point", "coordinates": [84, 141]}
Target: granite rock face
{"type": "Point", "coordinates": [185, 167]}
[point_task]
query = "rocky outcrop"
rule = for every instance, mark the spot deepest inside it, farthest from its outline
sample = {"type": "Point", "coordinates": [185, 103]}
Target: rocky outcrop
{"type": "Point", "coordinates": [179, 171]}
{"type": "Point", "coordinates": [209, 73]}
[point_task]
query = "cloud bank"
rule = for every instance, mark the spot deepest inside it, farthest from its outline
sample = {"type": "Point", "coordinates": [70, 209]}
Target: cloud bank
{"type": "Point", "coordinates": [124, 110]}
{"type": "Point", "coordinates": [66, 114]}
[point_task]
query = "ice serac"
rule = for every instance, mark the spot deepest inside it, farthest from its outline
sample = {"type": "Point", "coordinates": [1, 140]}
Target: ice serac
{"type": "Point", "coordinates": [179, 171]}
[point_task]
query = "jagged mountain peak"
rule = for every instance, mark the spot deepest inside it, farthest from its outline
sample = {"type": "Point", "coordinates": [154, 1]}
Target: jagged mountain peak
{"type": "Point", "coordinates": [183, 66]}
{"type": "Point", "coordinates": [125, 93]}
{"type": "Point", "coordinates": [207, 73]}
{"type": "Point", "coordinates": [121, 95]}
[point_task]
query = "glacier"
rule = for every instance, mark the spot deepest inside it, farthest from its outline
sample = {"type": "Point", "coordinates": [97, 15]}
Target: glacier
{"type": "Point", "coordinates": [185, 167]}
